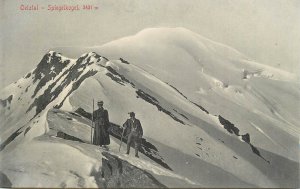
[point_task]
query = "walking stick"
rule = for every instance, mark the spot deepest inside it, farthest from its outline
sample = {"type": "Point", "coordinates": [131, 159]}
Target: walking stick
{"type": "Point", "coordinates": [92, 124]}
{"type": "Point", "coordinates": [121, 139]}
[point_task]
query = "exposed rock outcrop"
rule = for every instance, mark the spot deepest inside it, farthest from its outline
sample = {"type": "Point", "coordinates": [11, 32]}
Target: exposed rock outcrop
{"type": "Point", "coordinates": [65, 136]}
{"type": "Point", "coordinates": [119, 173]}
{"type": "Point", "coordinates": [6, 101]}
{"type": "Point", "coordinates": [4, 181]}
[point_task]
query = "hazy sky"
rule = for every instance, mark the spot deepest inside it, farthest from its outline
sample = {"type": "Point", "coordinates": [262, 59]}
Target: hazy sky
{"type": "Point", "coordinates": [268, 31]}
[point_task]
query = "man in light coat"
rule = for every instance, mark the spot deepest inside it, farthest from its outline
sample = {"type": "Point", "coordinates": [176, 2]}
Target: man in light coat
{"type": "Point", "coordinates": [134, 129]}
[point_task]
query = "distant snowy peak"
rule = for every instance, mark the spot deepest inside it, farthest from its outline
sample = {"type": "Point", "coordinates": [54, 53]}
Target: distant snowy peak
{"type": "Point", "coordinates": [54, 63]}
{"type": "Point", "coordinates": [149, 37]}
{"type": "Point", "coordinates": [50, 83]}
{"type": "Point", "coordinates": [160, 48]}
{"type": "Point", "coordinates": [51, 65]}
{"type": "Point", "coordinates": [179, 47]}
{"type": "Point", "coordinates": [61, 75]}
{"type": "Point", "coordinates": [180, 37]}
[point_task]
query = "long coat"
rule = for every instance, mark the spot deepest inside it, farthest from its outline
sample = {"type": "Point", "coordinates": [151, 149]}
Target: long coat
{"type": "Point", "coordinates": [101, 134]}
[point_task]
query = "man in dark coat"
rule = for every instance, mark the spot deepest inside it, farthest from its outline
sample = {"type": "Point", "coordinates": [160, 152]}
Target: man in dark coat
{"type": "Point", "coordinates": [134, 129]}
{"type": "Point", "coordinates": [101, 120]}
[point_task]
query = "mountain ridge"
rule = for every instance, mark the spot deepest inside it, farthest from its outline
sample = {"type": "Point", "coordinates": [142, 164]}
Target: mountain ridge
{"type": "Point", "coordinates": [154, 34]}
{"type": "Point", "coordinates": [198, 109]}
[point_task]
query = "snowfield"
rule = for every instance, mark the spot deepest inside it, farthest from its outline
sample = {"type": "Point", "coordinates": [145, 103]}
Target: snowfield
{"type": "Point", "coordinates": [211, 116]}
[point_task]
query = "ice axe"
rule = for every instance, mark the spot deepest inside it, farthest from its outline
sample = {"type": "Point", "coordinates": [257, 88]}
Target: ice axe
{"type": "Point", "coordinates": [92, 124]}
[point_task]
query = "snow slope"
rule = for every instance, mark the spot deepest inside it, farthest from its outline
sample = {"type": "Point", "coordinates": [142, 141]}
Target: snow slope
{"type": "Point", "coordinates": [216, 118]}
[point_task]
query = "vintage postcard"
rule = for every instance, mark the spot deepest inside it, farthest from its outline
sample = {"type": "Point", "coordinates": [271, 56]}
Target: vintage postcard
{"type": "Point", "coordinates": [149, 93]}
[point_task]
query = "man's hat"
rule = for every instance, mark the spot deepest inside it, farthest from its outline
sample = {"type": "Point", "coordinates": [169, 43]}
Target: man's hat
{"type": "Point", "coordinates": [131, 114]}
{"type": "Point", "coordinates": [100, 102]}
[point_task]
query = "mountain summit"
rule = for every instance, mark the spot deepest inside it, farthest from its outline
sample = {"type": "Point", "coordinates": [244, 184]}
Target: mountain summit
{"type": "Point", "coordinates": [211, 117]}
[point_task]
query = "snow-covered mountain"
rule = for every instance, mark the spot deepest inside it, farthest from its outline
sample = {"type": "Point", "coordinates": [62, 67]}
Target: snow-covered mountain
{"type": "Point", "coordinates": [211, 116]}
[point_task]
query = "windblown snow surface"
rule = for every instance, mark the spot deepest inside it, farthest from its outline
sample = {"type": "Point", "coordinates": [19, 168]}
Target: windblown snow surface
{"type": "Point", "coordinates": [211, 116]}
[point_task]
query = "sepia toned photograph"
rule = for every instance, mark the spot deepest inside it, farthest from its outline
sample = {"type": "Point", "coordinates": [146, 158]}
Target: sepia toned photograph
{"type": "Point", "coordinates": [149, 93]}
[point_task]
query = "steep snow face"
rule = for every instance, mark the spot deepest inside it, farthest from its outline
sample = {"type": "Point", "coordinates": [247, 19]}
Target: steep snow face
{"type": "Point", "coordinates": [208, 72]}
{"type": "Point", "coordinates": [47, 86]}
{"type": "Point", "coordinates": [210, 113]}
{"type": "Point", "coordinates": [219, 78]}
{"type": "Point", "coordinates": [170, 118]}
